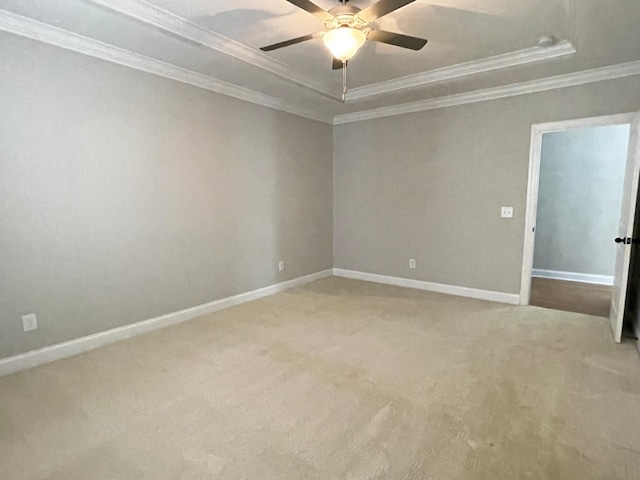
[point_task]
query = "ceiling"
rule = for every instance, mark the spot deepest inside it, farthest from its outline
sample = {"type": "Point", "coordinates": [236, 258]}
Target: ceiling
{"type": "Point", "coordinates": [459, 31]}
{"type": "Point", "coordinates": [473, 44]}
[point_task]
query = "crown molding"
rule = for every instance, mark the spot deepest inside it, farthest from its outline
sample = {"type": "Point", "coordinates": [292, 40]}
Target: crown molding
{"type": "Point", "coordinates": [523, 88]}
{"type": "Point", "coordinates": [511, 59]}
{"type": "Point", "coordinates": [169, 22]}
{"type": "Point", "coordinates": [35, 30]}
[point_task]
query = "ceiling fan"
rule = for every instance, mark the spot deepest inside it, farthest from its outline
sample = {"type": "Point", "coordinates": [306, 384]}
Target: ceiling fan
{"type": "Point", "coordinates": [347, 28]}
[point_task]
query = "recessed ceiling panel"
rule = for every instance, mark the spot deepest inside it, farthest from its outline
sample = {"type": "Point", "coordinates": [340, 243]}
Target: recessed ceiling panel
{"type": "Point", "coordinates": [458, 31]}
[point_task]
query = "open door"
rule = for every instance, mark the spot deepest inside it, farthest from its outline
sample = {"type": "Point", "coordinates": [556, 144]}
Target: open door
{"type": "Point", "coordinates": [625, 230]}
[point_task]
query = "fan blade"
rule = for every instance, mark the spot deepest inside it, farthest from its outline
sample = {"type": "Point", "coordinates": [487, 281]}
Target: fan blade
{"type": "Point", "coordinates": [312, 8]}
{"type": "Point", "coordinates": [397, 39]}
{"type": "Point", "coordinates": [382, 8]}
{"type": "Point", "coordinates": [293, 41]}
{"type": "Point", "coordinates": [337, 64]}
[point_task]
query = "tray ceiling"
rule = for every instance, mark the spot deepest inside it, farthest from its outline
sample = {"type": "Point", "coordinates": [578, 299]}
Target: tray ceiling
{"type": "Point", "coordinates": [472, 43]}
{"type": "Point", "coordinates": [458, 31]}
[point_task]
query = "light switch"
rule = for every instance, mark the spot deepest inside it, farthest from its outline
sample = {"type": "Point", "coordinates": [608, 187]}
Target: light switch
{"type": "Point", "coordinates": [506, 212]}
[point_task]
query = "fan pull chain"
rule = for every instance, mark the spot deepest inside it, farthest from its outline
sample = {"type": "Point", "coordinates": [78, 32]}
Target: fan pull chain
{"type": "Point", "coordinates": [344, 81]}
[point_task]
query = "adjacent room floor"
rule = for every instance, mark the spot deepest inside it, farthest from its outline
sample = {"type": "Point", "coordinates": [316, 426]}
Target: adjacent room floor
{"type": "Point", "coordinates": [337, 379]}
{"type": "Point", "coordinates": [579, 297]}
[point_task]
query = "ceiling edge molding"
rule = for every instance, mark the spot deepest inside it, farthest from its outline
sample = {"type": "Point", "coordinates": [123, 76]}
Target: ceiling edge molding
{"type": "Point", "coordinates": [516, 89]}
{"type": "Point", "coordinates": [183, 28]}
{"type": "Point", "coordinates": [35, 30]}
{"type": "Point", "coordinates": [511, 59]}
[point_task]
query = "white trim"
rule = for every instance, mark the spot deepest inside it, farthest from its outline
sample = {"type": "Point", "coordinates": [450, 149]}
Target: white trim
{"type": "Point", "coordinates": [511, 298]}
{"type": "Point", "coordinates": [573, 276]}
{"type": "Point", "coordinates": [519, 57]}
{"type": "Point", "coordinates": [535, 153]}
{"type": "Point", "coordinates": [46, 33]}
{"type": "Point", "coordinates": [601, 121]}
{"type": "Point", "coordinates": [516, 89]}
{"type": "Point", "coordinates": [531, 210]}
{"type": "Point", "coordinates": [79, 345]}
{"type": "Point", "coordinates": [49, 34]}
{"type": "Point", "coordinates": [176, 25]}
{"type": "Point", "coordinates": [627, 220]}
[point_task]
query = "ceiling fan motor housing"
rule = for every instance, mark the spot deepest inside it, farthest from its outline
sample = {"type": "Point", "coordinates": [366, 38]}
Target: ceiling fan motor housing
{"type": "Point", "coordinates": [345, 16]}
{"type": "Point", "coordinates": [347, 28]}
{"type": "Point", "coordinates": [344, 9]}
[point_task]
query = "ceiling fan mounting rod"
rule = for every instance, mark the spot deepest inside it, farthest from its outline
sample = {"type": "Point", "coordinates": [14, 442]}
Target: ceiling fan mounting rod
{"type": "Point", "coordinates": [344, 81]}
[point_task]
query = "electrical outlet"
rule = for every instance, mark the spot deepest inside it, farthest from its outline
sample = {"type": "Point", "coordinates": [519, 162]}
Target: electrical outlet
{"type": "Point", "coordinates": [281, 265]}
{"type": "Point", "coordinates": [29, 322]}
{"type": "Point", "coordinates": [506, 212]}
{"type": "Point", "coordinates": [412, 263]}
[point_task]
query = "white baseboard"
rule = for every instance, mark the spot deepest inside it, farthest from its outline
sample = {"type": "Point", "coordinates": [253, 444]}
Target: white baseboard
{"type": "Point", "coordinates": [511, 298]}
{"type": "Point", "coordinates": [573, 277]}
{"type": "Point", "coordinates": [79, 345]}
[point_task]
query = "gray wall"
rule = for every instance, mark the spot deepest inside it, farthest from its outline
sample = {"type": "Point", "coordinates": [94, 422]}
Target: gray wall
{"type": "Point", "coordinates": [124, 196]}
{"type": "Point", "coordinates": [581, 180]}
{"type": "Point", "coordinates": [429, 185]}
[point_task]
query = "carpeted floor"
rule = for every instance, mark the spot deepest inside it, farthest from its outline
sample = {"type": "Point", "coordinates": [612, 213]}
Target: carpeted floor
{"type": "Point", "coordinates": [339, 379]}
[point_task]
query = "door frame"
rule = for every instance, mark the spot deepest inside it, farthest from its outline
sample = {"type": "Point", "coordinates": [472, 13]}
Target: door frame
{"type": "Point", "coordinates": [535, 153]}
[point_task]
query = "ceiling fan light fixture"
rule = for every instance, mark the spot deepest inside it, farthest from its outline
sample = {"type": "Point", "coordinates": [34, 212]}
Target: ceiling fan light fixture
{"type": "Point", "coordinates": [344, 42]}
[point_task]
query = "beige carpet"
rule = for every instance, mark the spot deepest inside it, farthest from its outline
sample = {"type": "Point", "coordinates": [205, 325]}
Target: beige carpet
{"type": "Point", "coordinates": [336, 380]}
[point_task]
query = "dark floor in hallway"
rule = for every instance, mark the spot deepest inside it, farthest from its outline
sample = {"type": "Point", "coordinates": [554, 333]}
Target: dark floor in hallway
{"type": "Point", "coordinates": [577, 297]}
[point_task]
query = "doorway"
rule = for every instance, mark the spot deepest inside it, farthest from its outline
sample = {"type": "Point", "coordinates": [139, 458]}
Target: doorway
{"type": "Point", "coordinates": [579, 198]}
{"type": "Point", "coordinates": [576, 180]}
